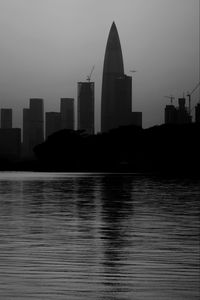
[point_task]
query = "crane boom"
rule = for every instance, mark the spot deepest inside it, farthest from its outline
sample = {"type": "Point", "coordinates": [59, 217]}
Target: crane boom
{"type": "Point", "coordinates": [89, 76]}
{"type": "Point", "coordinates": [196, 87]}
{"type": "Point", "coordinates": [190, 94]}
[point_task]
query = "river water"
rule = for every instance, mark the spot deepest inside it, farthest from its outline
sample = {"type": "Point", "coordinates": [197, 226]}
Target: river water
{"type": "Point", "coordinates": [98, 236]}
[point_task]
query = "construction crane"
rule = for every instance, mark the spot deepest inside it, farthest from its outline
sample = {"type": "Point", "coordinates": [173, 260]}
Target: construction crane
{"type": "Point", "coordinates": [171, 98]}
{"type": "Point", "coordinates": [89, 76]}
{"type": "Point", "coordinates": [189, 94]}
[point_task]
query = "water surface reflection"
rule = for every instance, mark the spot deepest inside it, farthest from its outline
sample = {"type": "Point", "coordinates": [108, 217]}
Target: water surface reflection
{"type": "Point", "coordinates": [96, 236]}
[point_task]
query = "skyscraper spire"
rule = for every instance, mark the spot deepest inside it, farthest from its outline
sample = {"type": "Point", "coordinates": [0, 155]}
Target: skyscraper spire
{"type": "Point", "coordinates": [113, 69]}
{"type": "Point", "coordinates": [113, 61]}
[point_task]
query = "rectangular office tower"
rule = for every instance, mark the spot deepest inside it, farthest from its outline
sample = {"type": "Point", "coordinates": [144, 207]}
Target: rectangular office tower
{"type": "Point", "coordinates": [33, 125]}
{"type": "Point", "coordinates": [123, 104]}
{"type": "Point", "coordinates": [67, 113]}
{"type": "Point", "coordinates": [26, 132]}
{"type": "Point", "coordinates": [6, 118]}
{"type": "Point", "coordinates": [53, 123]}
{"type": "Point", "coordinates": [86, 106]}
{"type": "Point", "coordinates": [123, 101]}
{"type": "Point", "coordinates": [37, 120]}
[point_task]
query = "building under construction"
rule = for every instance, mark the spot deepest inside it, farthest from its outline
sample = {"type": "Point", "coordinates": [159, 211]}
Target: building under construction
{"type": "Point", "coordinates": [86, 106]}
{"type": "Point", "coordinates": [178, 115]}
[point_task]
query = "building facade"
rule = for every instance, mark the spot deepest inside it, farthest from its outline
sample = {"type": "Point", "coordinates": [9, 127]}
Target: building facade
{"type": "Point", "coordinates": [6, 118]}
{"type": "Point", "coordinates": [197, 113]}
{"type": "Point", "coordinates": [10, 144]}
{"type": "Point", "coordinates": [37, 120]}
{"type": "Point", "coordinates": [26, 132]}
{"type": "Point", "coordinates": [86, 107]}
{"type": "Point", "coordinates": [33, 125]}
{"type": "Point", "coordinates": [53, 123]}
{"type": "Point", "coordinates": [170, 114]}
{"type": "Point", "coordinates": [67, 113]}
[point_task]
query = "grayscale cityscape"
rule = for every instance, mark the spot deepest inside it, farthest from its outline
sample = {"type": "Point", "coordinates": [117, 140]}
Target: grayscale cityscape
{"type": "Point", "coordinates": [99, 150]}
{"type": "Point", "coordinates": [116, 108]}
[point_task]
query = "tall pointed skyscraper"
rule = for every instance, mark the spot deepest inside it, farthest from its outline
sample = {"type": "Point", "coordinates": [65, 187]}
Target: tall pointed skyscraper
{"type": "Point", "coordinates": [113, 69]}
{"type": "Point", "coordinates": [116, 98]}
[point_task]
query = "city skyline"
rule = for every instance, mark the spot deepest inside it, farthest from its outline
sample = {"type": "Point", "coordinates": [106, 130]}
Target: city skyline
{"type": "Point", "coordinates": [41, 60]}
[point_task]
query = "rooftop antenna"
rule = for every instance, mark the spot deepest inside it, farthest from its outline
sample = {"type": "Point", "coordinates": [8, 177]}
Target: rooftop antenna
{"type": "Point", "coordinates": [89, 76]}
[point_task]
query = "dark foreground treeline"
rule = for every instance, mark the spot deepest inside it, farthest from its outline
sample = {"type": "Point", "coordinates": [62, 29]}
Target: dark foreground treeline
{"type": "Point", "coordinates": [165, 148]}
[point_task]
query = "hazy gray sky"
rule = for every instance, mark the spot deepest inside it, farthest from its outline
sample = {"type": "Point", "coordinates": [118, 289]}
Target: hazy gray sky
{"type": "Point", "coordinates": [47, 46]}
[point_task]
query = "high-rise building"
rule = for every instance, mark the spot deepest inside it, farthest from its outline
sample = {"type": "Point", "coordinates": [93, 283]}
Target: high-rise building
{"type": "Point", "coordinates": [116, 99]}
{"type": "Point", "coordinates": [86, 106]}
{"type": "Point", "coordinates": [67, 113]}
{"type": "Point", "coordinates": [123, 101]}
{"type": "Point", "coordinates": [53, 123]}
{"type": "Point", "coordinates": [6, 118]}
{"type": "Point", "coordinates": [33, 125]}
{"type": "Point", "coordinates": [26, 132]}
{"type": "Point", "coordinates": [36, 121]}
{"type": "Point", "coordinates": [113, 68]}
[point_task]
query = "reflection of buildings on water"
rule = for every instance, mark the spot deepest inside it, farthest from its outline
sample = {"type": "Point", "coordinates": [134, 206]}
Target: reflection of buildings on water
{"type": "Point", "coordinates": [116, 208]}
{"type": "Point", "coordinates": [116, 211]}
